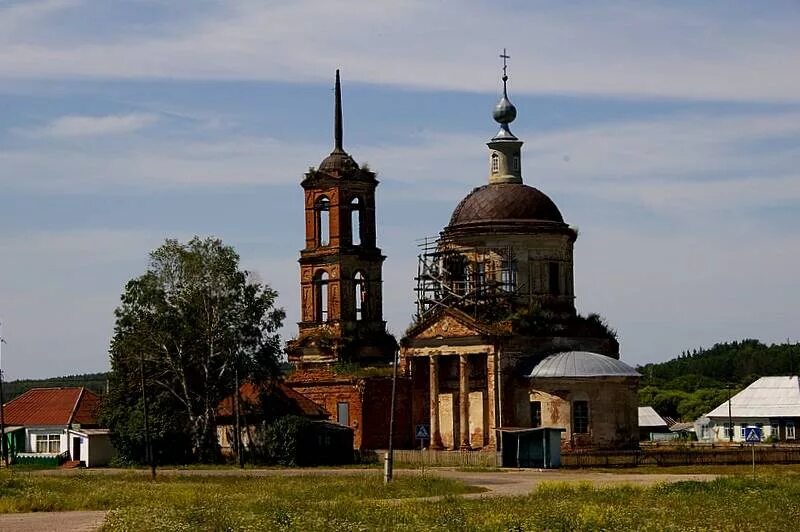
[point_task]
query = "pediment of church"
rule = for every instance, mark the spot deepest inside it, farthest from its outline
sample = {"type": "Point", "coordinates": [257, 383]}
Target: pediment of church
{"type": "Point", "coordinates": [447, 326]}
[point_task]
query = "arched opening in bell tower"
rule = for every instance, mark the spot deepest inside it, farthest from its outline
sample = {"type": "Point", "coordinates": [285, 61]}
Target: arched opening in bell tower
{"type": "Point", "coordinates": [356, 211]}
{"type": "Point", "coordinates": [360, 295]}
{"type": "Point", "coordinates": [321, 296]}
{"type": "Point", "coordinates": [322, 214]}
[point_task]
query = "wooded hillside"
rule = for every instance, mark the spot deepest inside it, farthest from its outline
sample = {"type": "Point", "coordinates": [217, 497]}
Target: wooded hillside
{"type": "Point", "coordinates": [94, 381]}
{"type": "Point", "coordinates": [695, 382]}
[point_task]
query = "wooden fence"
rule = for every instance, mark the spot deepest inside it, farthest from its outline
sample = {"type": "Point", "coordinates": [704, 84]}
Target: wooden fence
{"type": "Point", "coordinates": [648, 455]}
{"type": "Point", "coordinates": [687, 454]}
{"type": "Point", "coordinates": [428, 458]}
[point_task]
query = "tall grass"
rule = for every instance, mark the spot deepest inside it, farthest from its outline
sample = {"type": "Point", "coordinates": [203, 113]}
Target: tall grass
{"type": "Point", "coordinates": [363, 503]}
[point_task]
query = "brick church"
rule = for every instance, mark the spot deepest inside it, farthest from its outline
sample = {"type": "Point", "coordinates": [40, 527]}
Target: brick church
{"type": "Point", "coordinates": [497, 343]}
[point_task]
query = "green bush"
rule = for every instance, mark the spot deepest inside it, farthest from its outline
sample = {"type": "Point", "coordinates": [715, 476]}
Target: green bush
{"type": "Point", "coordinates": [283, 440]}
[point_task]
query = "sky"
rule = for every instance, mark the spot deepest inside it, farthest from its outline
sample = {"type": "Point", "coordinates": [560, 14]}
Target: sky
{"type": "Point", "coordinates": [668, 133]}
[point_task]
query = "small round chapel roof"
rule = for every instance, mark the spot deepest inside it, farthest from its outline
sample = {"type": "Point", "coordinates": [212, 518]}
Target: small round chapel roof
{"type": "Point", "coordinates": [582, 364]}
{"type": "Point", "coordinates": [506, 202]}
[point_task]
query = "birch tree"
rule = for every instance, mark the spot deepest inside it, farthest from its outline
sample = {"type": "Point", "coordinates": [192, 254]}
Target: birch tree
{"type": "Point", "coordinates": [184, 327]}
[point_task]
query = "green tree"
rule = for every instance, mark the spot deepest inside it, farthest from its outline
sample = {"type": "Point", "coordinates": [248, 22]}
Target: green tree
{"type": "Point", "coordinates": [186, 328]}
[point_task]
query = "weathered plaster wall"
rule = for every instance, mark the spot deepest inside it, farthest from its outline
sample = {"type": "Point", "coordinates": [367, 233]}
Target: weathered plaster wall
{"type": "Point", "coordinates": [613, 415]}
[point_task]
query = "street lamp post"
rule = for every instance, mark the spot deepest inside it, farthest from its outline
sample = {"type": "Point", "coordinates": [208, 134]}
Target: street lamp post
{"type": "Point", "coordinates": [730, 416]}
{"type": "Point", "coordinates": [3, 443]}
{"type": "Point", "coordinates": [388, 464]}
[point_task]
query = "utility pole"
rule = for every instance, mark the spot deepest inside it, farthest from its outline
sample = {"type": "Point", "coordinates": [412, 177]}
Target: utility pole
{"type": "Point", "coordinates": [388, 463]}
{"type": "Point", "coordinates": [730, 416]}
{"type": "Point", "coordinates": [4, 443]}
{"type": "Point", "coordinates": [237, 437]}
{"type": "Point", "coordinates": [148, 445]}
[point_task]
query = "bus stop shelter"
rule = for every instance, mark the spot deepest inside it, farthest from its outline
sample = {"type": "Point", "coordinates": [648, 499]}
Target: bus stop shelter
{"type": "Point", "coordinates": [538, 447]}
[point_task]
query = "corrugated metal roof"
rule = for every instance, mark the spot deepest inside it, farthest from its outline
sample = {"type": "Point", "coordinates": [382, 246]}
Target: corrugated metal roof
{"type": "Point", "coordinates": [648, 417]}
{"type": "Point", "coordinates": [582, 364]}
{"type": "Point", "coordinates": [767, 397]}
{"type": "Point", "coordinates": [53, 406]}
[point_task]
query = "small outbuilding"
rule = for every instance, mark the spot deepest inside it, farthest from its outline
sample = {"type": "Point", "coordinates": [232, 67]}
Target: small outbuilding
{"type": "Point", "coordinates": [651, 425]}
{"type": "Point", "coordinates": [529, 447]}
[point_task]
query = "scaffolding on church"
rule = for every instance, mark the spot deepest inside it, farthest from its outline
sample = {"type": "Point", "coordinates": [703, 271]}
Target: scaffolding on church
{"type": "Point", "coordinates": [480, 281]}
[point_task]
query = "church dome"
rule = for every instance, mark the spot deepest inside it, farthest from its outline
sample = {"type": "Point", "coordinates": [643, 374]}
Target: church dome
{"type": "Point", "coordinates": [505, 202]}
{"type": "Point", "coordinates": [582, 364]}
{"type": "Point", "coordinates": [338, 163]}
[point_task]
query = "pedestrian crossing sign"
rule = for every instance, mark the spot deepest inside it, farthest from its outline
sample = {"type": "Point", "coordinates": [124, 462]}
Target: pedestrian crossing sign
{"type": "Point", "coordinates": [752, 434]}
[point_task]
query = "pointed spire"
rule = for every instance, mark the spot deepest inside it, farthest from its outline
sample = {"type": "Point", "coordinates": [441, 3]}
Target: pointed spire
{"type": "Point", "coordinates": [337, 125]}
{"type": "Point", "coordinates": [338, 162]}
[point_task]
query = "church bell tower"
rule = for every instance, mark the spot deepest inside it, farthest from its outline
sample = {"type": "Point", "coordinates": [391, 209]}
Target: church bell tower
{"type": "Point", "coordinates": [340, 266]}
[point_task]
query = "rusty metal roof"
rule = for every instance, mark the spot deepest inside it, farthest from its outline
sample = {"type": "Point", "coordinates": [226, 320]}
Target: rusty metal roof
{"type": "Point", "coordinates": [506, 202]}
{"type": "Point", "coordinates": [288, 400]}
{"type": "Point", "coordinates": [53, 406]}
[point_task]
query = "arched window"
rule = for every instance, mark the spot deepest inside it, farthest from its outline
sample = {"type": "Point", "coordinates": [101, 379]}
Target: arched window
{"type": "Point", "coordinates": [495, 163]}
{"type": "Point", "coordinates": [355, 221]}
{"type": "Point", "coordinates": [322, 211]}
{"type": "Point", "coordinates": [360, 288]}
{"type": "Point", "coordinates": [321, 296]}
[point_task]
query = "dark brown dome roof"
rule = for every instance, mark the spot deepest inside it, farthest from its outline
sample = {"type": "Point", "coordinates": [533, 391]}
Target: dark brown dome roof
{"type": "Point", "coordinates": [505, 202]}
{"type": "Point", "coordinates": [338, 163]}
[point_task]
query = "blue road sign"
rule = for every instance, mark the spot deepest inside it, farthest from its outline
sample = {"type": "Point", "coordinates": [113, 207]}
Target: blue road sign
{"type": "Point", "coordinates": [423, 433]}
{"type": "Point", "coordinates": [752, 434]}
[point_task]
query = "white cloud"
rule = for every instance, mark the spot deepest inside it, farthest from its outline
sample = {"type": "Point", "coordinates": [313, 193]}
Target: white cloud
{"type": "Point", "coordinates": [88, 126]}
{"type": "Point", "coordinates": [624, 48]}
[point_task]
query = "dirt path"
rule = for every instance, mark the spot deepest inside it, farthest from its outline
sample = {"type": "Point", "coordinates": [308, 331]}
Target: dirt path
{"type": "Point", "coordinates": [52, 521]}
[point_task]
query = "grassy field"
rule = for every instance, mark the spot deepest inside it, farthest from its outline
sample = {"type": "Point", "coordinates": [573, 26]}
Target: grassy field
{"type": "Point", "coordinates": [361, 502]}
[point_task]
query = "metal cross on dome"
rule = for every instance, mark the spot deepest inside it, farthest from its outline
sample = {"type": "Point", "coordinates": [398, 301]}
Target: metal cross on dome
{"type": "Point", "coordinates": [505, 56]}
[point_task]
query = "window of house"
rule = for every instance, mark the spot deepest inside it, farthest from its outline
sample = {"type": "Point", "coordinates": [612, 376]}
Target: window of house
{"type": "Point", "coordinates": [48, 443]}
{"type": "Point", "coordinates": [552, 278]}
{"type": "Point", "coordinates": [516, 163]}
{"type": "Point", "coordinates": [775, 431]}
{"type": "Point", "coordinates": [536, 413]}
{"type": "Point", "coordinates": [343, 414]}
{"type": "Point", "coordinates": [355, 221]}
{"type": "Point", "coordinates": [360, 295]}
{"type": "Point", "coordinates": [495, 163]}
{"type": "Point", "coordinates": [580, 417]}
{"type": "Point", "coordinates": [742, 428]}
{"type": "Point", "coordinates": [323, 219]}
{"type": "Point", "coordinates": [726, 431]}
{"type": "Point", "coordinates": [790, 430]}
{"type": "Point", "coordinates": [321, 296]}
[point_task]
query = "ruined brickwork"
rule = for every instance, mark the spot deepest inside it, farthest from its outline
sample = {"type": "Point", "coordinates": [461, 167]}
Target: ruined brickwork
{"type": "Point", "coordinates": [341, 300]}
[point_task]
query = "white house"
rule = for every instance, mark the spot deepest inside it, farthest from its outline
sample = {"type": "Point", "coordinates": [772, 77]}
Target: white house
{"type": "Point", "coordinates": [53, 425]}
{"type": "Point", "coordinates": [771, 403]}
